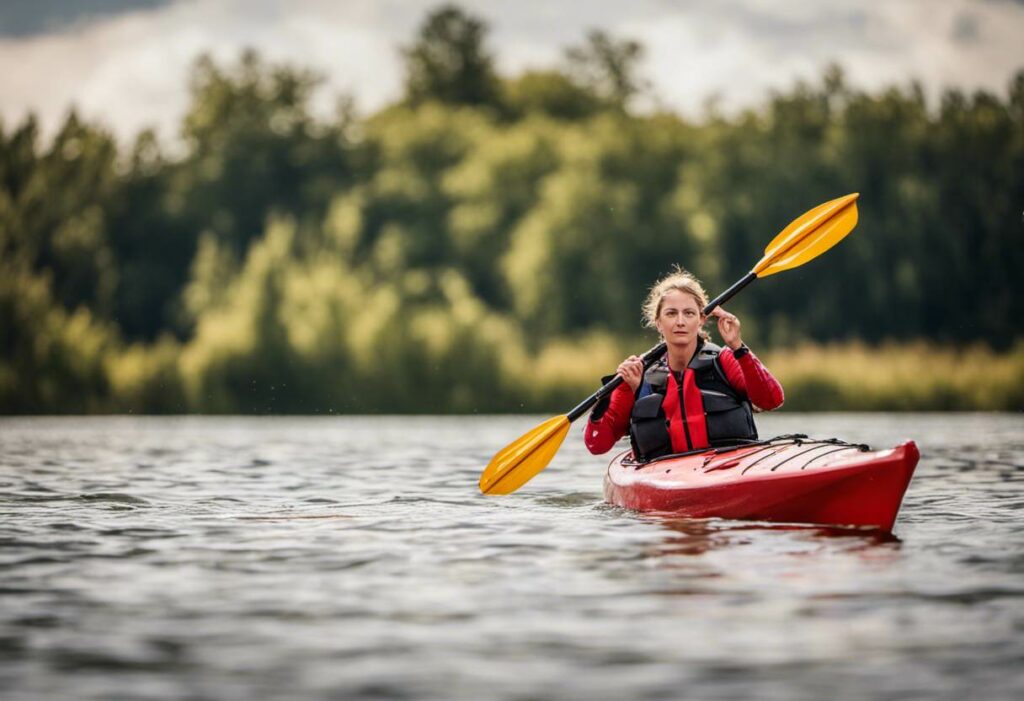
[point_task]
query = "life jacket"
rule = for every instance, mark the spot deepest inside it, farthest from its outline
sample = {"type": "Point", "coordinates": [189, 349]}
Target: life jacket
{"type": "Point", "coordinates": [676, 414]}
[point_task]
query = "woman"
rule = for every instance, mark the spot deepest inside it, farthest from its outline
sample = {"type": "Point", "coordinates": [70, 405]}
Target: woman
{"type": "Point", "coordinates": [698, 395]}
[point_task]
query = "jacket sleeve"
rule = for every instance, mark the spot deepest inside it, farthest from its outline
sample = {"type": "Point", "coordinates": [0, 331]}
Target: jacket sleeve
{"type": "Point", "coordinates": [749, 376]}
{"type": "Point", "coordinates": [605, 430]}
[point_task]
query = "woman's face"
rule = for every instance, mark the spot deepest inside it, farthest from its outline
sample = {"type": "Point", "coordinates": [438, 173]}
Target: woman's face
{"type": "Point", "coordinates": [679, 320]}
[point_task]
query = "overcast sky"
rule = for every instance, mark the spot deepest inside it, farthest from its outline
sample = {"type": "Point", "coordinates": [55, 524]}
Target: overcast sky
{"type": "Point", "coordinates": [124, 62]}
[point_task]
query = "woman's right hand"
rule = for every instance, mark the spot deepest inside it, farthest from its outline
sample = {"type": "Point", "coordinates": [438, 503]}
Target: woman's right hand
{"type": "Point", "coordinates": [631, 370]}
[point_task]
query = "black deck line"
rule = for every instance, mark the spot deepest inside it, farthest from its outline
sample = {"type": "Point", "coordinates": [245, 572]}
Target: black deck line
{"type": "Point", "coordinates": [803, 452]}
{"type": "Point", "coordinates": [796, 441]}
{"type": "Point", "coordinates": [709, 466]}
{"type": "Point", "coordinates": [837, 450]}
{"type": "Point", "coordinates": [775, 452]}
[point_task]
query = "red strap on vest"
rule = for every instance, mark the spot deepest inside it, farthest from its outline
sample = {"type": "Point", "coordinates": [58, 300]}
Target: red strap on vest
{"type": "Point", "coordinates": [696, 426]}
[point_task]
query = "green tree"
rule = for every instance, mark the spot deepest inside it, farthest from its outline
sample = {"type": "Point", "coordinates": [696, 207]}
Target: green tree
{"type": "Point", "coordinates": [152, 242]}
{"type": "Point", "coordinates": [497, 184]}
{"type": "Point", "coordinates": [608, 67]}
{"type": "Point", "coordinates": [550, 93]}
{"type": "Point", "coordinates": [53, 208]}
{"type": "Point", "coordinates": [603, 228]}
{"type": "Point", "coordinates": [399, 216]}
{"type": "Point", "coordinates": [448, 61]}
{"type": "Point", "coordinates": [51, 361]}
{"type": "Point", "coordinates": [255, 149]}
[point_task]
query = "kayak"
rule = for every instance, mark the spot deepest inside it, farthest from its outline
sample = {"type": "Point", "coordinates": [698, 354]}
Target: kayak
{"type": "Point", "coordinates": [792, 479]}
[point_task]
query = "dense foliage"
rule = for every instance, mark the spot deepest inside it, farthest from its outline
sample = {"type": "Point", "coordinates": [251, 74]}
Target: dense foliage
{"type": "Point", "coordinates": [484, 243]}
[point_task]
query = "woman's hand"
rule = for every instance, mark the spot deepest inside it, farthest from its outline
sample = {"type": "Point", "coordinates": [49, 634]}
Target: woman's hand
{"type": "Point", "coordinates": [728, 328]}
{"type": "Point", "coordinates": [631, 370]}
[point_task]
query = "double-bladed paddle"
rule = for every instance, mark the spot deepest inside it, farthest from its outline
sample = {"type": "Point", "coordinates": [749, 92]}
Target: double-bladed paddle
{"type": "Point", "coordinates": [806, 238]}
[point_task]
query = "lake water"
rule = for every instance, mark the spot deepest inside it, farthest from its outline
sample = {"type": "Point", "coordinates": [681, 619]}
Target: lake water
{"type": "Point", "coordinates": [354, 558]}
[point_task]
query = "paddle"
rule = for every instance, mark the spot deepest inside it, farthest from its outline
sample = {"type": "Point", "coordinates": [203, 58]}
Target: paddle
{"type": "Point", "coordinates": [806, 238]}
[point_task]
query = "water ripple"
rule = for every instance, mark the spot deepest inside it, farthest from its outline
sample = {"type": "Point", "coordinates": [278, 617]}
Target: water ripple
{"type": "Point", "coordinates": [354, 558]}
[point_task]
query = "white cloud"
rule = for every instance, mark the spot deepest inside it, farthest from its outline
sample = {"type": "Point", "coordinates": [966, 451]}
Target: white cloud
{"type": "Point", "coordinates": [130, 70]}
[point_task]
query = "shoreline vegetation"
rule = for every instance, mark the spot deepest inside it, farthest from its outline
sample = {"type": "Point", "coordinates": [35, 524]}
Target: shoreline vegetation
{"type": "Point", "coordinates": [892, 377]}
{"type": "Point", "coordinates": [483, 245]}
{"type": "Point", "coordinates": [853, 376]}
{"type": "Point", "coordinates": [835, 377]}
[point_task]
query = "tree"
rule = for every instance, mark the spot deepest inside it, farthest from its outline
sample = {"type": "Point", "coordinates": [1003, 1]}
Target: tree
{"type": "Point", "coordinates": [552, 93]}
{"type": "Point", "coordinates": [448, 62]}
{"type": "Point", "coordinates": [608, 67]}
{"type": "Point", "coordinates": [255, 149]}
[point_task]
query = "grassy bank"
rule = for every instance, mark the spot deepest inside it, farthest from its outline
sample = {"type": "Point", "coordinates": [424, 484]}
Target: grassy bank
{"type": "Point", "coordinates": [492, 372]}
{"type": "Point", "coordinates": [909, 377]}
{"type": "Point", "coordinates": [847, 377]}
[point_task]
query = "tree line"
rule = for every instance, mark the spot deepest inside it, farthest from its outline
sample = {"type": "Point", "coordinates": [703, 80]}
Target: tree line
{"type": "Point", "coordinates": [482, 242]}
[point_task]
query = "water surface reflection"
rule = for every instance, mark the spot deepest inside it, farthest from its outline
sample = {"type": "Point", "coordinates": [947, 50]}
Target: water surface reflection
{"type": "Point", "coordinates": [354, 558]}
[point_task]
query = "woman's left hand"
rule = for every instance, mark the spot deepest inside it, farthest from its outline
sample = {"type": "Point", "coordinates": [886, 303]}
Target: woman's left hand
{"type": "Point", "coordinates": [728, 328]}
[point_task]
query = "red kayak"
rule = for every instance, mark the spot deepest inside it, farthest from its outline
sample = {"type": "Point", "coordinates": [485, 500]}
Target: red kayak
{"type": "Point", "coordinates": [792, 479]}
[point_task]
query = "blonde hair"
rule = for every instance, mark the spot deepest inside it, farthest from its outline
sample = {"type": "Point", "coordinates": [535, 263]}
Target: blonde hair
{"type": "Point", "coordinates": [678, 280]}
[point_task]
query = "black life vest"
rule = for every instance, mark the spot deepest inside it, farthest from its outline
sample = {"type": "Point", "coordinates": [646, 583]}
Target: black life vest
{"type": "Point", "coordinates": [727, 415]}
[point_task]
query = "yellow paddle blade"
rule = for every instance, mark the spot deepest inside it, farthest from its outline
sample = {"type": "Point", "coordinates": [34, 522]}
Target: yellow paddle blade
{"type": "Point", "coordinates": [809, 236]}
{"type": "Point", "coordinates": [518, 462]}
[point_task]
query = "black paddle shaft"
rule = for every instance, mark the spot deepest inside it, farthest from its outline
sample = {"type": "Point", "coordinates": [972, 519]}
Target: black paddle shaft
{"type": "Point", "coordinates": [657, 351]}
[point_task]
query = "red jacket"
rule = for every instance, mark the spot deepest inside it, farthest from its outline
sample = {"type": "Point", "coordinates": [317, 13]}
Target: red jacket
{"type": "Point", "coordinates": [748, 376]}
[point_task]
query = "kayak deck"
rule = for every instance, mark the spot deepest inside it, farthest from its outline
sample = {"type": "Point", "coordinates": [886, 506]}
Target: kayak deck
{"type": "Point", "coordinates": [787, 479]}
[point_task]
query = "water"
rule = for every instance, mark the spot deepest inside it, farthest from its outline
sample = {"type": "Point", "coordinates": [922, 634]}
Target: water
{"type": "Point", "coordinates": [353, 558]}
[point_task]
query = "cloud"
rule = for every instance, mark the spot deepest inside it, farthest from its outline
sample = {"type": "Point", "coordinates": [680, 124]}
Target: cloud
{"type": "Point", "coordinates": [129, 69]}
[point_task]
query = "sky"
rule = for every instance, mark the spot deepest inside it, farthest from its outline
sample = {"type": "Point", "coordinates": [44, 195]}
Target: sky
{"type": "Point", "coordinates": [124, 63]}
